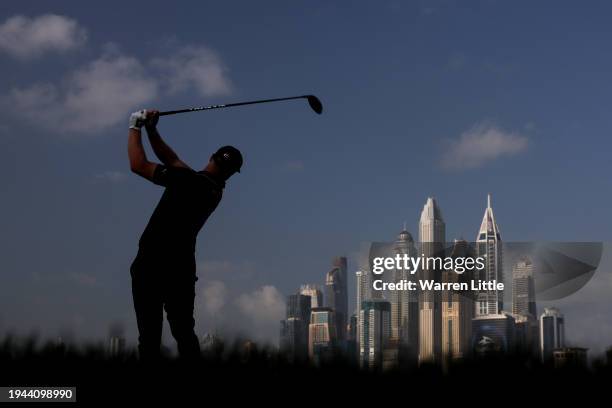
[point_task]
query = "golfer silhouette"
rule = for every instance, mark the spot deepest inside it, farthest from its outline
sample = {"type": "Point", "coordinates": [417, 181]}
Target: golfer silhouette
{"type": "Point", "coordinates": [164, 273]}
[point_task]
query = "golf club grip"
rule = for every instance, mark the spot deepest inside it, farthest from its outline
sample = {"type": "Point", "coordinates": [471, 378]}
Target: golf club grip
{"type": "Point", "coordinates": [229, 105]}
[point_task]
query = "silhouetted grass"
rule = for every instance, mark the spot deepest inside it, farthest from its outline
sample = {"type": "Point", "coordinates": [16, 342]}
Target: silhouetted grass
{"type": "Point", "coordinates": [229, 372]}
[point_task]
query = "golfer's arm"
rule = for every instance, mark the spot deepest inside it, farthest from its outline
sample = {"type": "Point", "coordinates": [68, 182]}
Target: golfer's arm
{"type": "Point", "coordinates": [162, 150]}
{"type": "Point", "coordinates": [138, 157]}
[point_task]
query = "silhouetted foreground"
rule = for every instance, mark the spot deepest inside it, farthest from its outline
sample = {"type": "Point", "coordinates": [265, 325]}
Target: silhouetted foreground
{"type": "Point", "coordinates": [226, 374]}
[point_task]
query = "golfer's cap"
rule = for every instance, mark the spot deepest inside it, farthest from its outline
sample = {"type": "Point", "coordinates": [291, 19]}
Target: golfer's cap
{"type": "Point", "coordinates": [229, 158]}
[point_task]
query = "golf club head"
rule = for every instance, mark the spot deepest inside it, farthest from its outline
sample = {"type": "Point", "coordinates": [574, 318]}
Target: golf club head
{"type": "Point", "coordinates": [315, 103]}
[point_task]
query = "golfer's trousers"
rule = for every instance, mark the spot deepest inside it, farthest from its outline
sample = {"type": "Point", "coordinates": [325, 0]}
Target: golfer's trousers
{"type": "Point", "coordinates": [164, 283]}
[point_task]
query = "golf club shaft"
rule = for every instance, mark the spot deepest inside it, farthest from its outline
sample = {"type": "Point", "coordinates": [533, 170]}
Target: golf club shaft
{"type": "Point", "coordinates": [229, 105]}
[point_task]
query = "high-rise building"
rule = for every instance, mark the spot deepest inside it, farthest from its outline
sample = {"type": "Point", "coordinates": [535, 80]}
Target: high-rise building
{"type": "Point", "coordinates": [362, 292]}
{"type": "Point", "coordinates": [527, 335]}
{"type": "Point", "coordinates": [493, 334]}
{"type": "Point", "coordinates": [294, 329]}
{"type": "Point", "coordinates": [457, 309]}
{"type": "Point", "coordinates": [362, 289]}
{"type": "Point", "coordinates": [315, 293]}
{"type": "Point", "coordinates": [524, 307]}
{"type": "Point", "coordinates": [432, 231]}
{"type": "Point", "coordinates": [405, 303]}
{"type": "Point", "coordinates": [293, 339]}
{"type": "Point", "coordinates": [322, 338]}
{"type": "Point", "coordinates": [336, 293]}
{"type": "Point", "coordinates": [374, 333]}
{"type": "Point", "coordinates": [298, 306]}
{"type": "Point", "coordinates": [552, 332]}
{"type": "Point", "coordinates": [523, 288]}
{"type": "Point", "coordinates": [489, 247]}
{"type": "Point", "coordinates": [351, 339]}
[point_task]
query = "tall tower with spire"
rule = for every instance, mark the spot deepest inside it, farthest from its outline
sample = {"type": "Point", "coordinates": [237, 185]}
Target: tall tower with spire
{"type": "Point", "coordinates": [489, 246]}
{"type": "Point", "coordinates": [432, 236]}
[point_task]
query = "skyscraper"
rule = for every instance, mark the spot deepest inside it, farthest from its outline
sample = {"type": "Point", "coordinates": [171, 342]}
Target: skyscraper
{"type": "Point", "coordinates": [523, 288]}
{"type": "Point", "coordinates": [298, 306]}
{"type": "Point", "coordinates": [489, 246]}
{"type": "Point", "coordinates": [374, 333]}
{"type": "Point", "coordinates": [351, 339]}
{"type": "Point", "coordinates": [362, 292]}
{"type": "Point", "coordinates": [457, 310]}
{"type": "Point", "coordinates": [336, 293]}
{"type": "Point", "coordinates": [294, 329]}
{"type": "Point", "coordinates": [527, 335]}
{"type": "Point", "coordinates": [361, 289]}
{"type": "Point", "coordinates": [293, 338]}
{"type": "Point", "coordinates": [552, 332]}
{"type": "Point", "coordinates": [493, 333]}
{"type": "Point", "coordinates": [432, 241]}
{"type": "Point", "coordinates": [524, 307]}
{"type": "Point", "coordinates": [316, 295]}
{"type": "Point", "coordinates": [405, 303]}
{"type": "Point", "coordinates": [322, 339]}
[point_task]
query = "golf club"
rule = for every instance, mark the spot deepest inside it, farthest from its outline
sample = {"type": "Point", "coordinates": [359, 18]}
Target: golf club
{"type": "Point", "coordinates": [313, 101]}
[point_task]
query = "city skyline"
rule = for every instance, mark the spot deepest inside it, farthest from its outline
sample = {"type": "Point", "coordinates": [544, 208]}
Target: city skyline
{"type": "Point", "coordinates": [469, 324]}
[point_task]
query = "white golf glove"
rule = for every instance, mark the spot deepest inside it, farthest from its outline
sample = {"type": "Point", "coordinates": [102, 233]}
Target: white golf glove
{"type": "Point", "coordinates": [137, 119]}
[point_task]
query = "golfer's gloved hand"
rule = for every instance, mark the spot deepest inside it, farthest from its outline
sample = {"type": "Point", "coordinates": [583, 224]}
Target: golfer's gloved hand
{"type": "Point", "coordinates": [137, 119]}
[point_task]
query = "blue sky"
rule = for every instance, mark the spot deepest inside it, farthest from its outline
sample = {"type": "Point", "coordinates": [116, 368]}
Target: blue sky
{"type": "Point", "coordinates": [450, 99]}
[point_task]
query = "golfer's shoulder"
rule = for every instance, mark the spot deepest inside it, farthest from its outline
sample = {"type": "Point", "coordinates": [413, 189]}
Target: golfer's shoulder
{"type": "Point", "coordinates": [167, 175]}
{"type": "Point", "coordinates": [181, 171]}
{"type": "Point", "coordinates": [209, 180]}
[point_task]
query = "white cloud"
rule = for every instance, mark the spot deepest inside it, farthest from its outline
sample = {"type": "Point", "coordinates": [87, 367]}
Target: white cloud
{"type": "Point", "coordinates": [25, 37]}
{"type": "Point", "coordinates": [198, 68]}
{"type": "Point", "coordinates": [102, 94]}
{"type": "Point", "coordinates": [254, 313]}
{"type": "Point", "coordinates": [106, 90]}
{"type": "Point", "coordinates": [265, 306]}
{"type": "Point", "coordinates": [92, 99]}
{"type": "Point", "coordinates": [482, 143]}
{"type": "Point", "coordinates": [213, 297]}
